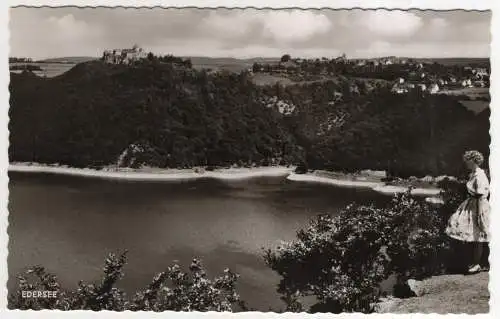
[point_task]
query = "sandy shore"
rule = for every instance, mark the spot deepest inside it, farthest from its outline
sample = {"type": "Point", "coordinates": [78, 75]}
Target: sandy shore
{"type": "Point", "coordinates": [155, 174]}
{"type": "Point", "coordinates": [372, 183]}
{"type": "Point", "coordinates": [333, 181]}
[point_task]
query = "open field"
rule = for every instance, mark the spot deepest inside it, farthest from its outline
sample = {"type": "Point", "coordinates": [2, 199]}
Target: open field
{"type": "Point", "coordinates": [475, 105]}
{"type": "Point", "coordinates": [48, 69]}
{"type": "Point", "coordinates": [479, 98]}
{"type": "Point", "coordinates": [470, 92]}
{"type": "Point", "coordinates": [227, 64]}
{"type": "Point", "coordinates": [69, 60]}
{"type": "Point", "coordinates": [268, 79]}
{"type": "Point", "coordinates": [454, 61]}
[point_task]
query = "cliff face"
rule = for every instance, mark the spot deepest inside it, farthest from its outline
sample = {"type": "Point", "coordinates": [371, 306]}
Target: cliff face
{"type": "Point", "coordinates": [443, 294]}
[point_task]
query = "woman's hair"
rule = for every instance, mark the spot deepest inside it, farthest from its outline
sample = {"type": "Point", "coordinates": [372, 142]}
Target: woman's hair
{"type": "Point", "coordinates": [474, 156]}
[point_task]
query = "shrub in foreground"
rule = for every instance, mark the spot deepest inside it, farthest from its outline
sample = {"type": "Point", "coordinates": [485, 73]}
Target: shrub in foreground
{"type": "Point", "coordinates": [171, 289]}
{"type": "Point", "coordinates": [342, 259]}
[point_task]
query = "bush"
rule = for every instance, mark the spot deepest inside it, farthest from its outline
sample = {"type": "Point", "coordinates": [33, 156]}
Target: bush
{"type": "Point", "coordinates": [453, 194]}
{"type": "Point", "coordinates": [301, 168]}
{"type": "Point", "coordinates": [342, 259]}
{"type": "Point", "coordinates": [172, 289]}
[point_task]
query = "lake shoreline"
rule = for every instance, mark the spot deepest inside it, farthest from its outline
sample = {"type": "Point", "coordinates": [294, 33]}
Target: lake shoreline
{"type": "Point", "coordinates": [375, 184]}
{"type": "Point", "coordinates": [372, 182]}
{"type": "Point", "coordinates": [154, 174]}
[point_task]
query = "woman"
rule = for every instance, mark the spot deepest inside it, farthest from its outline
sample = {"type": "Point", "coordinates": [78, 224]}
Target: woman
{"type": "Point", "coordinates": [470, 223]}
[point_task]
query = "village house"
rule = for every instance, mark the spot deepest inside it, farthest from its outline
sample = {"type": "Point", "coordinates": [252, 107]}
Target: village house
{"type": "Point", "coordinates": [399, 89]}
{"type": "Point", "coordinates": [442, 82]}
{"type": "Point", "coordinates": [467, 83]}
{"type": "Point", "coordinates": [480, 73]}
{"type": "Point", "coordinates": [387, 62]}
{"type": "Point", "coordinates": [422, 86]}
{"type": "Point", "coordinates": [361, 63]}
{"type": "Point", "coordinates": [433, 88]}
{"type": "Point", "coordinates": [289, 67]}
{"type": "Point", "coordinates": [402, 86]}
{"type": "Point", "coordinates": [124, 56]}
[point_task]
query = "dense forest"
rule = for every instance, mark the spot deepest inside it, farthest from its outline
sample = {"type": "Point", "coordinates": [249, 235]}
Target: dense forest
{"type": "Point", "coordinates": [167, 114]}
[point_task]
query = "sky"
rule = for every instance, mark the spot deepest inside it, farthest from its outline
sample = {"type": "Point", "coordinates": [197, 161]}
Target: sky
{"type": "Point", "coordinates": [246, 33]}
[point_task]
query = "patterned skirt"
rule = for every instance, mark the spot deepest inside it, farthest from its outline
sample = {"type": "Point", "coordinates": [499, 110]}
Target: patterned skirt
{"type": "Point", "coordinates": [471, 221]}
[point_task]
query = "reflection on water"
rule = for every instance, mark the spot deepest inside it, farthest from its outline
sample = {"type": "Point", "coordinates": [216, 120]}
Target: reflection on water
{"type": "Point", "coordinates": [69, 224]}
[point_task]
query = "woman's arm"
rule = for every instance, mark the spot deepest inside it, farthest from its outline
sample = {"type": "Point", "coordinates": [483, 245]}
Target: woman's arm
{"type": "Point", "coordinates": [481, 184]}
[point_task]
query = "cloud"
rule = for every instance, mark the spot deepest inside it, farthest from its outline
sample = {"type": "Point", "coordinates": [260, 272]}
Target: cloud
{"type": "Point", "coordinates": [50, 32]}
{"type": "Point", "coordinates": [439, 23]}
{"type": "Point", "coordinates": [230, 24]}
{"type": "Point", "coordinates": [424, 49]}
{"type": "Point", "coordinates": [281, 26]}
{"type": "Point", "coordinates": [437, 29]}
{"type": "Point", "coordinates": [390, 23]}
{"type": "Point", "coordinates": [478, 31]}
{"type": "Point", "coordinates": [68, 27]}
{"type": "Point", "coordinates": [295, 25]}
{"type": "Point", "coordinates": [62, 35]}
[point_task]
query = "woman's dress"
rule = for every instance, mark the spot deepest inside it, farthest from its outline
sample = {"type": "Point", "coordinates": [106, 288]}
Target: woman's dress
{"type": "Point", "coordinates": [470, 222]}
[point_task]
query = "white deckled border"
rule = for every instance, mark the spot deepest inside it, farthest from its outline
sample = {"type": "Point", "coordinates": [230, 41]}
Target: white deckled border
{"type": "Point", "coordinates": [392, 4]}
{"type": "Point", "coordinates": [399, 4]}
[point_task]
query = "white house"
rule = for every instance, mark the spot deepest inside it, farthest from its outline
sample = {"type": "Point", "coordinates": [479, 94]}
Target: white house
{"type": "Point", "coordinates": [479, 73]}
{"type": "Point", "coordinates": [399, 89]}
{"type": "Point", "coordinates": [467, 83]}
{"type": "Point", "coordinates": [433, 88]}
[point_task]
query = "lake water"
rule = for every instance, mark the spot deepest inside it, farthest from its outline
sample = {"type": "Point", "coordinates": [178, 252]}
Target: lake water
{"type": "Point", "coordinates": [68, 224]}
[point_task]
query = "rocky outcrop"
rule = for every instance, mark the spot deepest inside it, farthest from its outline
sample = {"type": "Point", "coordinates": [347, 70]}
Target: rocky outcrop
{"type": "Point", "coordinates": [442, 294]}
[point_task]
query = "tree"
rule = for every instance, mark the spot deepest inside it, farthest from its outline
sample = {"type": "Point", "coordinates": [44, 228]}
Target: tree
{"type": "Point", "coordinates": [286, 58]}
{"type": "Point", "coordinates": [405, 237]}
{"type": "Point", "coordinates": [256, 67]}
{"type": "Point", "coordinates": [171, 289]}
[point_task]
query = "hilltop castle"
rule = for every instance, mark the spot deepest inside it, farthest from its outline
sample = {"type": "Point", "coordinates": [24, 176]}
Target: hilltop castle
{"type": "Point", "coordinates": [124, 56]}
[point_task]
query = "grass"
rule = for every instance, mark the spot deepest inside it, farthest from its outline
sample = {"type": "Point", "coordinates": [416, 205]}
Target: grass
{"type": "Point", "coordinates": [268, 79]}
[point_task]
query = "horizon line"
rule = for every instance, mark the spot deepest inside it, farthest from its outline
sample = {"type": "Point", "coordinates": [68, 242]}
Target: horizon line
{"type": "Point", "coordinates": [268, 57]}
